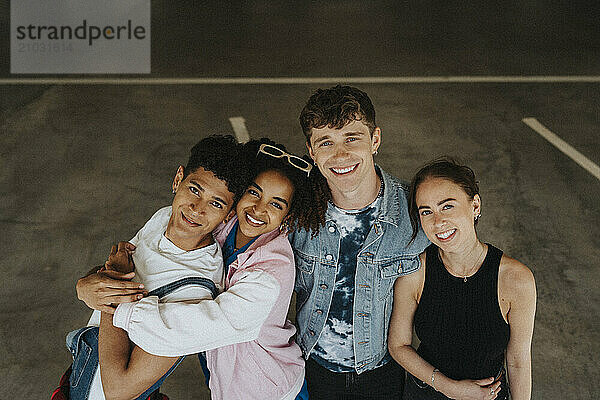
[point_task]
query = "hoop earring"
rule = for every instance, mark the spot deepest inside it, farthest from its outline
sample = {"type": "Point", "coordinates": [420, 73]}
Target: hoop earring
{"type": "Point", "coordinates": [477, 217]}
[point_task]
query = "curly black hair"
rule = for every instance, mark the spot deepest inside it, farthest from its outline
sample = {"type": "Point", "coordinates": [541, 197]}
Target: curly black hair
{"type": "Point", "coordinates": [335, 108]}
{"type": "Point", "coordinates": [311, 193]}
{"type": "Point", "coordinates": [225, 157]}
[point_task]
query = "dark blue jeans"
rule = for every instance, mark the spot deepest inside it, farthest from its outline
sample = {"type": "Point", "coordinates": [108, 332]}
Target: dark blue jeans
{"type": "Point", "coordinates": [83, 345]}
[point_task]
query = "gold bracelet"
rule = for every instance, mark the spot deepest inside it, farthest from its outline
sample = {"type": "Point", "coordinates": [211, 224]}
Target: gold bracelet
{"type": "Point", "coordinates": [433, 378]}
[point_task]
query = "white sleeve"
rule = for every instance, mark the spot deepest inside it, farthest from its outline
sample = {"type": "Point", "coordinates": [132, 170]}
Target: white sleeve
{"type": "Point", "coordinates": [136, 239]}
{"type": "Point", "coordinates": [175, 329]}
{"type": "Point", "coordinates": [94, 318]}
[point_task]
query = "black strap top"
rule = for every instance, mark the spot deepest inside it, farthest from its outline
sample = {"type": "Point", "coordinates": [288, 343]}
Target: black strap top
{"type": "Point", "coordinates": [459, 323]}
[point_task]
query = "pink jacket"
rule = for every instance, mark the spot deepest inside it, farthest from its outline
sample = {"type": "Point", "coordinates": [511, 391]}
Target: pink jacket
{"type": "Point", "coordinates": [250, 350]}
{"type": "Point", "coordinates": [270, 366]}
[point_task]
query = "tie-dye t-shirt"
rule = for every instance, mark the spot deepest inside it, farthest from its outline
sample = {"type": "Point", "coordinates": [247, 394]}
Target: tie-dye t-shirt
{"type": "Point", "coordinates": [335, 348]}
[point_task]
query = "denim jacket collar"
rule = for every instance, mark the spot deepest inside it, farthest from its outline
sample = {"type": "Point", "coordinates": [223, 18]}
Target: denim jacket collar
{"type": "Point", "coordinates": [391, 211]}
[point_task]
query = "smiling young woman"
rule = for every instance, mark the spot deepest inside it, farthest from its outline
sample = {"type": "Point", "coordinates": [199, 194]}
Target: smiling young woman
{"type": "Point", "coordinates": [471, 306]}
{"type": "Point", "coordinates": [264, 205]}
{"type": "Point", "coordinates": [259, 266]}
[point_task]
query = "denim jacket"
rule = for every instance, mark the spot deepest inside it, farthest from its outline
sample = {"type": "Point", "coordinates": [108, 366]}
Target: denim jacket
{"type": "Point", "coordinates": [384, 256]}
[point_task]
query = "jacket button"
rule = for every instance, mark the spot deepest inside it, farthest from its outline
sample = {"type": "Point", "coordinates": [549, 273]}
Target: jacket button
{"type": "Point", "coordinates": [319, 312]}
{"type": "Point", "coordinates": [331, 229]}
{"type": "Point", "coordinates": [311, 333]}
{"type": "Point", "coordinates": [329, 257]}
{"type": "Point", "coordinates": [323, 286]}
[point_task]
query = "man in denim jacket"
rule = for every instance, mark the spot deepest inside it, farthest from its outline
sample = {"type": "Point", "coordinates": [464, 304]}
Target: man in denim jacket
{"type": "Point", "coordinates": [345, 275]}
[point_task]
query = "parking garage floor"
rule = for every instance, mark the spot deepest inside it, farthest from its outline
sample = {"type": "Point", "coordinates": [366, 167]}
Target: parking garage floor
{"type": "Point", "coordinates": [84, 164]}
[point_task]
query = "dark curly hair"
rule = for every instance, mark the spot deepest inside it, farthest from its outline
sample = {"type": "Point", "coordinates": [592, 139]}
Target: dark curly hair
{"type": "Point", "coordinates": [223, 156]}
{"type": "Point", "coordinates": [309, 201]}
{"type": "Point", "coordinates": [335, 108]}
{"type": "Point", "coordinates": [445, 168]}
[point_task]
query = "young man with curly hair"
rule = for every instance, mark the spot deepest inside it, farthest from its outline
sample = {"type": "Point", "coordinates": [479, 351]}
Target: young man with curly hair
{"type": "Point", "coordinates": [175, 257]}
{"type": "Point", "coordinates": [346, 273]}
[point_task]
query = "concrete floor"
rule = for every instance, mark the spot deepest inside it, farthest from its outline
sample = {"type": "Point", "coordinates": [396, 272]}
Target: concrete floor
{"type": "Point", "coordinates": [84, 166]}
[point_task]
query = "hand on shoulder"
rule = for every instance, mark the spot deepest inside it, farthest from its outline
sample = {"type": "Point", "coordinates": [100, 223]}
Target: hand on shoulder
{"type": "Point", "coordinates": [120, 258]}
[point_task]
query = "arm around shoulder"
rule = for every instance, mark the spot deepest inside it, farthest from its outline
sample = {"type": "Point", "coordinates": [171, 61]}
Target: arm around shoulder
{"type": "Point", "coordinates": [174, 329]}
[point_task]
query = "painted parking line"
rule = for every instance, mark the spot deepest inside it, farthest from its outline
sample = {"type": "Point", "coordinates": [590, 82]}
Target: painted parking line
{"type": "Point", "coordinates": [563, 146]}
{"type": "Point", "coordinates": [239, 128]}
{"type": "Point", "coordinates": [306, 80]}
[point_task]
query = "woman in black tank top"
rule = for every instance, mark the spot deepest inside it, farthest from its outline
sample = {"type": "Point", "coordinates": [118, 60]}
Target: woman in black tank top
{"type": "Point", "coordinates": [472, 307]}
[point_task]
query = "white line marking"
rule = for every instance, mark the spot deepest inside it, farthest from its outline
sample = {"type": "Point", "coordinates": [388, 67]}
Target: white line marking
{"type": "Point", "coordinates": [303, 81]}
{"type": "Point", "coordinates": [563, 146]}
{"type": "Point", "coordinates": [239, 127]}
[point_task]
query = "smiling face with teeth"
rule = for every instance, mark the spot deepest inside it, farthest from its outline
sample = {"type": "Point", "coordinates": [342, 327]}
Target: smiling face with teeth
{"type": "Point", "coordinates": [201, 202]}
{"type": "Point", "coordinates": [345, 158]}
{"type": "Point", "coordinates": [264, 206]}
{"type": "Point", "coordinates": [447, 214]}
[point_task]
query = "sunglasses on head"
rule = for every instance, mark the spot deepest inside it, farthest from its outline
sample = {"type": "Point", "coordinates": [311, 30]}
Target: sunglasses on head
{"type": "Point", "coordinates": [293, 160]}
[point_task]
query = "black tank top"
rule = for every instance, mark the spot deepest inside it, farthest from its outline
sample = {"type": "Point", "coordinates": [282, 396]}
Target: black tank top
{"type": "Point", "coordinates": [459, 323]}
